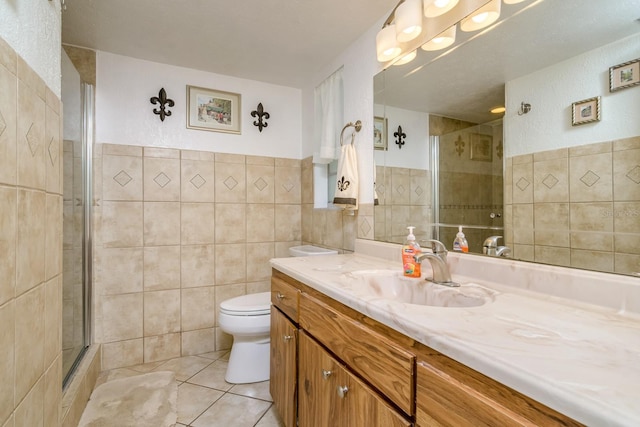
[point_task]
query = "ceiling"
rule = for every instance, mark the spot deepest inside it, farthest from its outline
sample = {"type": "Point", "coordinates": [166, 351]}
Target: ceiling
{"type": "Point", "coordinates": [282, 42]}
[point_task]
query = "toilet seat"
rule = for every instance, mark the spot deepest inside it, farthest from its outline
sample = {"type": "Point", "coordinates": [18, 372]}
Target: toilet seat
{"type": "Point", "coordinates": [248, 305]}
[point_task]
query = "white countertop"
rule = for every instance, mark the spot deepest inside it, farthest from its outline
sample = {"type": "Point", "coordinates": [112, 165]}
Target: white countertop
{"type": "Point", "coordinates": [579, 359]}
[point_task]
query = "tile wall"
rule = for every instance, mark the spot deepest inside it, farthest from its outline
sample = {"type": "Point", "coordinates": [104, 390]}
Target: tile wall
{"type": "Point", "coordinates": [179, 231]}
{"type": "Point", "coordinates": [30, 246]}
{"type": "Point", "coordinates": [577, 207]}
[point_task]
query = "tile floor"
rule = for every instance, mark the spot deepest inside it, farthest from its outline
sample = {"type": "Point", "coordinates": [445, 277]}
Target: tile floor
{"type": "Point", "coordinates": [205, 399]}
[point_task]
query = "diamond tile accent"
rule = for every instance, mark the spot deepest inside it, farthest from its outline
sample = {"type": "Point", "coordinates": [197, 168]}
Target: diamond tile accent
{"type": "Point", "coordinates": [32, 140]}
{"type": "Point", "coordinates": [400, 189]}
{"type": "Point", "coordinates": [522, 184]}
{"type": "Point", "coordinates": [53, 151]}
{"type": "Point", "coordinates": [380, 189]}
{"type": "Point", "coordinates": [122, 178]}
{"type": "Point", "coordinates": [634, 174]}
{"type": "Point", "coordinates": [288, 186]}
{"type": "Point", "coordinates": [3, 124]}
{"type": "Point", "coordinates": [260, 184]}
{"type": "Point", "coordinates": [550, 181]}
{"type": "Point", "coordinates": [162, 179]}
{"type": "Point", "coordinates": [365, 227]}
{"type": "Point", "coordinates": [419, 191]}
{"type": "Point", "coordinates": [197, 181]}
{"type": "Point", "coordinates": [230, 182]}
{"type": "Point", "coordinates": [589, 178]}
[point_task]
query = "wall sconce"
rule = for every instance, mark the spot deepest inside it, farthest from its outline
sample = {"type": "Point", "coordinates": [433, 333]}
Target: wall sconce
{"type": "Point", "coordinates": [401, 136]}
{"type": "Point", "coordinates": [524, 108]}
{"type": "Point", "coordinates": [442, 40]}
{"type": "Point", "coordinates": [408, 18]}
{"type": "Point", "coordinates": [433, 8]}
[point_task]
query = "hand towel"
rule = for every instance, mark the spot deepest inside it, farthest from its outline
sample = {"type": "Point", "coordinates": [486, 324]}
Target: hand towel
{"type": "Point", "coordinates": [346, 195]}
{"type": "Point", "coordinates": [375, 189]}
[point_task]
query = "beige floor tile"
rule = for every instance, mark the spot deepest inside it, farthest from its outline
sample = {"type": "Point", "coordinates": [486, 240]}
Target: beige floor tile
{"type": "Point", "coordinates": [270, 419]}
{"type": "Point", "coordinates": [184, 367]}
{"type": "Point", "coordinates": [256, 390]}
{"type": "Point", "coordinates": [193, 400]}
{"type": "Point", "coordinates": [232, 410]}
{"type": "Point", "coordinates": [215, 355]}
{"type": "Point", "coordinates": [212, 376]}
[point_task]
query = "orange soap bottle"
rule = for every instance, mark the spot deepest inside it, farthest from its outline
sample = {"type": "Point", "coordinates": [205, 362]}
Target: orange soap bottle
{"type": "Point", "coordinates": [410, 267]}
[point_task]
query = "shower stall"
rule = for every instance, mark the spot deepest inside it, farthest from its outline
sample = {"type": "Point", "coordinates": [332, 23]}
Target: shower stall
{"type": "Point", "coordinates": [78, 113]}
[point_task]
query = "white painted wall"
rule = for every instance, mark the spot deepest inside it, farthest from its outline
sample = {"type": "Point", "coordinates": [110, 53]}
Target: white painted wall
{"type": "Point", "coordinates": [124, 114]}
{"type": "Point", "coordinates": [551, 92]}
{"type": "Point", "coordinates": [414, 154]}
{"type": "Point", "coordinates": [32, 29]}
{"type": "Point", "coordinates": [360, 65]}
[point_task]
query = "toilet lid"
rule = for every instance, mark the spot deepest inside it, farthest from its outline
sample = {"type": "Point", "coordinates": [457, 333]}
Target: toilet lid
{"type": "Point", "coordinates": [247, 305]}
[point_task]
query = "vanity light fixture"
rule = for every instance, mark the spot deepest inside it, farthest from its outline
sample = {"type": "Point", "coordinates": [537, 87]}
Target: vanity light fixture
{"type": "Point", "coordinates": [442, 40]}
{"type": "Point", "coordinates": [387, 46]}
{"type": "Point", "coordinates": [408, 20]}
{"type": "Point", "coordinates": [512, 1]}
{"type": "Point", "coordinates": [433, 8]}
{"type": "Point", "coordinates": [483, 17]}
{"type": "Point", "coordinates": [406, 58]}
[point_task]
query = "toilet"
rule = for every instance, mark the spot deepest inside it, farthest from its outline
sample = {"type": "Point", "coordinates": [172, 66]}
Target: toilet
{"type": "Point", "coordinates": [248, 319]}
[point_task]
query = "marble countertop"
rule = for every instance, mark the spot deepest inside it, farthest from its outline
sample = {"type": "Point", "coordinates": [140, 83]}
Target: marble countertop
{"type": "Point", "coordinates": [579, 359]}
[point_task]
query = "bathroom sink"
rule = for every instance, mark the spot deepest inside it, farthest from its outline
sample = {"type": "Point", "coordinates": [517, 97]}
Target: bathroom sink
{"type": "Point", "coordinates": [392, 285]}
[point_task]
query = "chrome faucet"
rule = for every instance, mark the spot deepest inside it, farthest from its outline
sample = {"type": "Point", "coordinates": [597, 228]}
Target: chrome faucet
{"type": "Point", "coordinates": [438, 260]}
{"type": "Point", "coordinates": [490, 247]}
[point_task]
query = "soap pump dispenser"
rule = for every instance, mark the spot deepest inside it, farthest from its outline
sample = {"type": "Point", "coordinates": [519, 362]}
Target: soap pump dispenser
{"type": "Point", "coordinates": [460, 243]}
{"type": "Point", "coordinates": [410, 249]}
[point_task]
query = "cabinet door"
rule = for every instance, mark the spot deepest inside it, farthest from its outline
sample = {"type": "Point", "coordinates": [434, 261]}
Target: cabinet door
{"type": "Point", "coordinates": [318, 402]}
{"type": "Point", "coordinates": [366, 408]}
{"type": "Point", "coordinates": [283, 375]}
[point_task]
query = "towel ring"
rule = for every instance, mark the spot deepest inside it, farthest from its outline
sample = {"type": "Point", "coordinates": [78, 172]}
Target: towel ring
{"type": "Point", "coordinates": [357, 126]}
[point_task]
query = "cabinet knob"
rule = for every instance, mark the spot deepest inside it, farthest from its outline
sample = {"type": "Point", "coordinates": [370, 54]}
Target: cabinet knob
{"type": "Point", "coordinates": [280, 296]}
{"type": "Point", "coordinates": [326, 374]}
{"type": "Point", "coordinates": [286, 338]}
{"type": "Point", "coordinates": [342, 391]}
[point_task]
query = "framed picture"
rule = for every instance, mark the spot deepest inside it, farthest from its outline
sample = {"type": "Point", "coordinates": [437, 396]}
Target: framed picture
{"type": "Point", "coordinates": [585, 111]}
{"type": "Point", "coordinates": [213, 110]}
{"type": "Point", "coordinates": [380, 133]}
{"type": "Point", "coordinates": [624, 75]}
{"type": "Point", "coordinates": [481, 147]}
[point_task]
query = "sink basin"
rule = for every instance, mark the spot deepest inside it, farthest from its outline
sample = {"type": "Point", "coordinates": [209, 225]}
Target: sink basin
{"type": "Point", "coordinates": [392, 285]}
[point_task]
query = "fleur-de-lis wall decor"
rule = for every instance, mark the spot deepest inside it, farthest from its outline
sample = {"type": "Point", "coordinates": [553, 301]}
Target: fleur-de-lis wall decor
{"type": "Point", "coordinates": [401, 136]}
{"type": "Point", "coordinates": [459, 146]}
{"type": "Point", "coordinates": [262, 116]}
{"type": "Point", "coordinates": [343, 184]}
{"type": "Point", "coordinates": [164, 103]}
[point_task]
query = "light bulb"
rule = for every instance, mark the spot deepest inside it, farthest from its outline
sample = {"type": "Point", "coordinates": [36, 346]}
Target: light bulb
{"type": "Point", "coordinates": [408, 20]}
{"type": "Point", "coordinates": [433, 8]}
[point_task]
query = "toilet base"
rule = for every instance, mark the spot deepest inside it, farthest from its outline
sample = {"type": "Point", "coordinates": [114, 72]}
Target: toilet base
{"type": "Point", "coordinates": [249, 361]}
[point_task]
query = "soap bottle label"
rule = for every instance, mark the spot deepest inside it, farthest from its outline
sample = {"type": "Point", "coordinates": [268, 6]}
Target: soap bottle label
{"type": "Point", "coordinates": [410, 266]}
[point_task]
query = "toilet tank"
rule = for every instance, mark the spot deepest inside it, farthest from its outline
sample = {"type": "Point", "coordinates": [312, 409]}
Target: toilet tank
{"type": "Point", "coordinates": [310, 250]}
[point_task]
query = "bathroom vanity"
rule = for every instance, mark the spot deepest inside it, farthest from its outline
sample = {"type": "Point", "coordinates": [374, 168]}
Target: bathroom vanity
{"type": "Point", "coordinates": [348, 354]}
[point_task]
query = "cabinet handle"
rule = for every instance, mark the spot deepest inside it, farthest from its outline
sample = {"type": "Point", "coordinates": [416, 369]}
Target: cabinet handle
{"type": "Point", "coordinates": [286, 338]}
{"type": "Point", "coordinates": [280, 296]}
{"type": "Point", "coordinates": [342, 391]}
{"type": "Point", "coordinates": [326, 374]}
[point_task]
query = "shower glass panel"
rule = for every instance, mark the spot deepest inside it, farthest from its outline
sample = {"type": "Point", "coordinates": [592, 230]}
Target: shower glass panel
{"type": "Point", "coordinates": [77, 99]}
{"type": "Point", "coordinates": [468, 177]}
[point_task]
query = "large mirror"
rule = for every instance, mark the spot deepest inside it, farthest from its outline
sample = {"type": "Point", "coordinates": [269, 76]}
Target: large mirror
{"type": "Point", "coordinates": [557, 175]}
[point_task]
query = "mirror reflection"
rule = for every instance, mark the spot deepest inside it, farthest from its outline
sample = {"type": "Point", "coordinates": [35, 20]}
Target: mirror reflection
{"type": "Point", "coordinates": [559, 188]}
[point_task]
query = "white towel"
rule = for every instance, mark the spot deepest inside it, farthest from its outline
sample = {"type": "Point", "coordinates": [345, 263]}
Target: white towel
{"type": "Point", "coordinates": [347, 186]}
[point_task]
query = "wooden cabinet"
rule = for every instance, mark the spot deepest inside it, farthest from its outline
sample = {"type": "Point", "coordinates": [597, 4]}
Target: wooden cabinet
{"type": "Point", "coordinates": [333, 397]}
{"type": "Point", "coordinates": [337, 367]}
{"type": "Point", "coordinates": [284, 371]}
{"type": "Point", "coordinates": [451, 394]}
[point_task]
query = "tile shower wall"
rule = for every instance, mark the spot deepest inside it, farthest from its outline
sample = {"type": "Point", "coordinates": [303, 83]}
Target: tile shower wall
{"type": "Point", "coordinates": [30, 246]}
{"type": "Point", "coordinates": [576, 206]}
{"type": "Point", "coordinates": [181, 231]}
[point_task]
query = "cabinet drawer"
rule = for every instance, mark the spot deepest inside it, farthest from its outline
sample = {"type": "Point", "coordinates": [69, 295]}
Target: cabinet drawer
{"type": "Point", "coordinates": [460, 399]}
{"type": "Point", "coordinates": [375, 358]}
{"type": "Point", "coordinates": [285, 297]}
